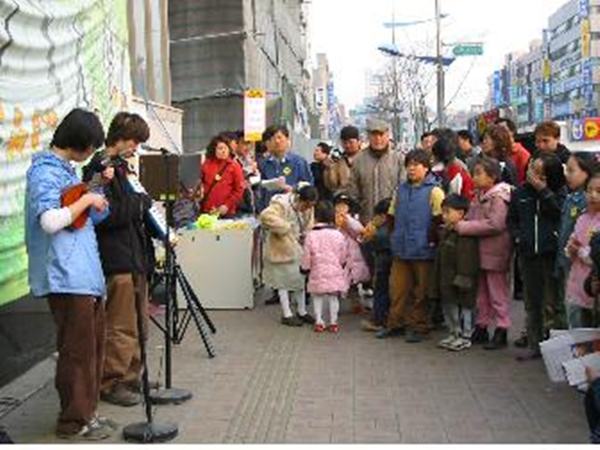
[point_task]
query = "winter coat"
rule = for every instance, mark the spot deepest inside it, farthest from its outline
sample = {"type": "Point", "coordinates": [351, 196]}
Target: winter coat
{"type": "Point", "coordinates": [534, 220]}
{"type": "Point", "coordinates": [318, 172]}
{"type": "Point", "coordinates": [457, 180]}
{"type": "Point", "coordinates": [337, 174]}
{"type": "Point", "coordinates": [456, 270]}
{"type": "Point", "coordinates": [587, 225]}
{"type": "Point", "coordinates": [124, 238]}
{"type": "Point", "coordinates": [227, 181]}
{"type": "Point", "coordinates": [486, 220]}
{"type": "Point", "coordinates": [68, 261]}
{"type": "Point", "coordinates": [325, 257]}
{"type": "Point", "coordinates": [286, 229]}
{"type": "Point", "coordinates": [374, 177]}
{"type": "Point", "coordinates": [562, 152]}
{"type": "Point", "coordinates": [292, 166]}
{"type": "Point", "coordinates": [573, 207]}
{"type": "Point", "coordinates": [410, 239]}
{"type": "Point", "coordinates": [520, 158]}
{"type": "Point", "coordinates": [357, 269]}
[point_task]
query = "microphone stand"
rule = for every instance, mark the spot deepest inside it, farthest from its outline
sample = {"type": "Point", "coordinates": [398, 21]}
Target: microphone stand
{"type": "Point", "coordinates": [170, 394]}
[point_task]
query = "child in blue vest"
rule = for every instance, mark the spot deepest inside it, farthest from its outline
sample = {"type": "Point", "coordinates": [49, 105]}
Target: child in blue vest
{"type": "Point", "coordinates": [417, 208]}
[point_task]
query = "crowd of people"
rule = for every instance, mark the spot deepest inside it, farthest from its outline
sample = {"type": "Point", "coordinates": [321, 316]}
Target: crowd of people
{"type": "Point", "coordinates": [438, 236]}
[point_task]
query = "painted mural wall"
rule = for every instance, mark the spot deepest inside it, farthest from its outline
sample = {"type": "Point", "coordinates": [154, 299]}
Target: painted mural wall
{"type": "Point", "coordinates": [54, 56]}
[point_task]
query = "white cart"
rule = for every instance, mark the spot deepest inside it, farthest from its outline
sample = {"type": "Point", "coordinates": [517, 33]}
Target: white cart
{"type": "Point", "coordinates": [218, 265]}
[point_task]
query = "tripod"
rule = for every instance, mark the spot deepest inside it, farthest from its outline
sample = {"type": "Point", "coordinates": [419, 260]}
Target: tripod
{"type": "Point", "coordinates": [174, 328]}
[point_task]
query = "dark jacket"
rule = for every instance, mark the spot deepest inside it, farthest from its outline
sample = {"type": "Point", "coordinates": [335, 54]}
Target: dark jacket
{"type": "Point", "coordinates": [292, 166]}
{"type": "Point", "coordinates": [123, 238]}
{"type": "Point", "coordinates": [534, 220]}
{"type": "Point", "coordinates": [562, 152]}
{"type": "Point", "coordinates": [318, 172]}
{"type": "Point", "coordinates": [456, 270]}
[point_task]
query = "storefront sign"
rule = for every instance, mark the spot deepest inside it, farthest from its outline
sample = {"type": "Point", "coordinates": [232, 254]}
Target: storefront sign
{"type": "Point", "coordinates": [255, 114]}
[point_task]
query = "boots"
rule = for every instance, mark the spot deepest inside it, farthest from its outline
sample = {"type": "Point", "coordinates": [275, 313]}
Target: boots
{"type": "Point", "coordinates": [498, 341]}
{"type": "Point", "coordinates": [480, 336]}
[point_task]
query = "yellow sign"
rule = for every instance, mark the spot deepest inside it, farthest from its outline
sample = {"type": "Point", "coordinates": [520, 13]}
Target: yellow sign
{"type": "Point", "coordinates": [547, 69]}
{"type": "Point", "coordinates": [591, 129]}
{"type": "Point", "coordinates": [585, 38]}
{"type": "Point", "coordinates": [255, 114]}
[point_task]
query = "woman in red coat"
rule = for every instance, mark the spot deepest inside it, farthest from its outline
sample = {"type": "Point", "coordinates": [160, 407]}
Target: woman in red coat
{"type": "Point", "coordinates": [222, 179]}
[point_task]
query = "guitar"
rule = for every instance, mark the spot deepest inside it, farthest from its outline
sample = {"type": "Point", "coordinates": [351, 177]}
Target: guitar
{"type": "Point", "coordinates": [74, 192]}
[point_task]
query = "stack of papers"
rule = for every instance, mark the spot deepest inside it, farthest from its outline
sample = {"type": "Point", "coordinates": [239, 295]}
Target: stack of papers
{"type": "Point", "coordinates": [568, 352]}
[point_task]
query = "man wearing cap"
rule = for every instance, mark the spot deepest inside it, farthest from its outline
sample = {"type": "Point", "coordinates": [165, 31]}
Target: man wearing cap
{"type": "Point", "coordinates": [376, 171]}
{"type": "Point", "coordinates": [337, 172]}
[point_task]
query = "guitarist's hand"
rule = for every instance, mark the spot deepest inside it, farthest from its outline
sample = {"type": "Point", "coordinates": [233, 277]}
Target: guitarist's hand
{"type": "Point", "coordinates": [97, 201]}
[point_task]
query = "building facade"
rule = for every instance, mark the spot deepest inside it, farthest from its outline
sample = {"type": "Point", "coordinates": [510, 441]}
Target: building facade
{"type": "Point", "coordinates": [220, 48]}
{"type": "Point", "coordinates": [559, 78]}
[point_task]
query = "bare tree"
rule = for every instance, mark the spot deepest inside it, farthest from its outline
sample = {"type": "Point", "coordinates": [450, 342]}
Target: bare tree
{"type": "Point", "coordinates": [404, 83]}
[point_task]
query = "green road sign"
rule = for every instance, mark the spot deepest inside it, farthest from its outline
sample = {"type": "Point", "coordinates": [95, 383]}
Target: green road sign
{"type": "Point", "coordinates": [468, 50]}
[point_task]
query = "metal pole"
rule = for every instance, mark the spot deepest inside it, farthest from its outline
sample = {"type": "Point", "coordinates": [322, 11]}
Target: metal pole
{"type": "Point", "coordinates": [395, 127]}
{"type": "Point", "coordinates": [440, 67]}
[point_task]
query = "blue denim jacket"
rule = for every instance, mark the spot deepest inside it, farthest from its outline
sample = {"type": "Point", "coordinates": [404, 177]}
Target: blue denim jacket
{"type": "Point", "coordinates": [68, 261]}
{"type": "Point", "coordinates": [574, 205]}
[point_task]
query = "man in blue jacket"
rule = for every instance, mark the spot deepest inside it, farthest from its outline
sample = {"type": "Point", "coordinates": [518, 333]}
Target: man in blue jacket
{"type": "Point", "coordinates": [282, 170]}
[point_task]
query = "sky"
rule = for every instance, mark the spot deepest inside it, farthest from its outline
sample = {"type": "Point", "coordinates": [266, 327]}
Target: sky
{"type": "Point", "coordinates": [349, 32]}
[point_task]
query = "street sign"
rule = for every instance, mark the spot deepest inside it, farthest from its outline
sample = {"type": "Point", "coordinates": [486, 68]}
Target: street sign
{"type": "Point", "coordinates": [255, 114]}
{"type": "Point", "coordinates": [468, 50]}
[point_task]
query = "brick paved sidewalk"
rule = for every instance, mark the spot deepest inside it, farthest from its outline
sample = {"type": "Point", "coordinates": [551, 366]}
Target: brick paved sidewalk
{"type": "Point", "coordinates": [271, 383]}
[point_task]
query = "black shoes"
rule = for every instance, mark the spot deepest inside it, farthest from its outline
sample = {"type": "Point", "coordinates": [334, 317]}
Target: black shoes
{"type": "Point", "coordinates": [480, 336]}
{"type": "Point", "coordinates": [498, 341]}
{"type": "Point", "coordinates": [306, 318]}
{"type": "Point", "coordinates": [522, 341]}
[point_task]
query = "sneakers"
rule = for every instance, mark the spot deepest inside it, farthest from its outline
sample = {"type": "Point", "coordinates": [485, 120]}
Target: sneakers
{"type": "Point", "coordinates": [319, 328]}
{"type": "Point", "coordinates": [106, 422]}
{"type": "Point", "coordinates": [121, 396]}
{"type": "Point", "coordinates": [445, 343]}
{"type": "Point", "coordinates": [292, 321]}
{"type": "Point", "coordinates": [389, 332]}
{"type": "Point", "coordinates": [459, 344]}
{"type": "Point", "coordinates": [92, 431]}
{"type": "Point", "coordinates": [334, 328]}
{"type": "Point", "coordinates": [368, 325]}
{"type": "Point", "coordinates": [306, 318]}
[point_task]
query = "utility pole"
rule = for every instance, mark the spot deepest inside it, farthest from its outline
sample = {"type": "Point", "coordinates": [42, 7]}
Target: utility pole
{"type": "Point", "coordinates": [395, 125]}
{"type": "Point", "coordinates": [440, 67]}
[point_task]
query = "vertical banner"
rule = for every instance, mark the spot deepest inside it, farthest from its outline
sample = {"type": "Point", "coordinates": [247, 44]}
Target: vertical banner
{"type": "Point", "coordinates": [54, 56]}
{"type": "Point", "coordinates": [255, 114]}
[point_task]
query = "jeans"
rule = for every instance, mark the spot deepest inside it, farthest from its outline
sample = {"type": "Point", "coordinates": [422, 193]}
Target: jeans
{"type": "Point", "coordinates": [592, 410]}
{"type": "Point", "coordinates": [579, 317]}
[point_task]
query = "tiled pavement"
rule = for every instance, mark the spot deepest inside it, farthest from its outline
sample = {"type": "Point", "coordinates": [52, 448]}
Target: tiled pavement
{"type": "Point", "coordinates": [271, 383]}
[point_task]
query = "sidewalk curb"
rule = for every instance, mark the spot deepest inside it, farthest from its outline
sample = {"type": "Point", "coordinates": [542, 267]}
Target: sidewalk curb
{"type": "Point", "coordinates": [18, 391]}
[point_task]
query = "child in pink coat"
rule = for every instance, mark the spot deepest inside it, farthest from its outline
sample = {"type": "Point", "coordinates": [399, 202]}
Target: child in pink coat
{"type": "Point", "coordinates": [580, 306]}
{"type": "Point", "coordinates": [325, 257]}
{"type": "Point", "coordinates": [487, 221]}
{"type": "Point", "coordinates": [356, 269]}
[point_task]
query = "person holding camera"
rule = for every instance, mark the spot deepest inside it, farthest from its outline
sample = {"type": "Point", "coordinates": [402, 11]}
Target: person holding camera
{"type": "Point", "coordinates": [337, 168]}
